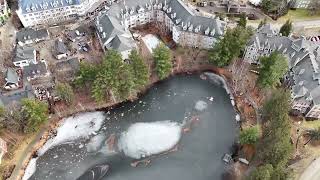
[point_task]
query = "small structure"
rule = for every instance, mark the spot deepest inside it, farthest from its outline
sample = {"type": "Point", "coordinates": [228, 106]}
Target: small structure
{"type": "Point", "coordinates": [24, 56]}
{"type": "Point", "coordinates": [12, 79]}
{"type": "Point", "coordinates": [60, 49]}
{"type": "Point", "coordinates": [29, 36]}
{"type": "Point", "coordinates": [3, 148]}
{"type": "Point", "coordinates": [244, 161]}
{"type": "Point", "coordinates": [227, 158]}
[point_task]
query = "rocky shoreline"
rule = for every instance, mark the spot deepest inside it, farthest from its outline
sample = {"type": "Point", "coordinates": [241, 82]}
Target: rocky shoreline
{"type": "Point", "coordinates": [56, 121]}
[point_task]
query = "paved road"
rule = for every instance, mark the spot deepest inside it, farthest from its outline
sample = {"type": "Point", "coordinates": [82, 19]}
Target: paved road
{"type": "Point", "coordinates": [296, 24]}
{"type": "Point", "coordinates": [312, 172]}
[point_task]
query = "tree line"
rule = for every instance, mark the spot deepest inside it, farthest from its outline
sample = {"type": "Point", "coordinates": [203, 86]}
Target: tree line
{"type": "Point", "coordinates": [26, 117]}
{"type": "Point", "coordinates": [115, 79]}
{"type": "Point", "coordinates": [275, 148]}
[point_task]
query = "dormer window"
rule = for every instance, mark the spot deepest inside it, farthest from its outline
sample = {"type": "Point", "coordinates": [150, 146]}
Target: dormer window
{"type": "Point", "coordinates": [178, 21]}
{"type": "Point", "coordinates": [207, 31]}
{"type": "Point", "coordinates": [169, 10]}
{"type": "Point", "coordinates": [213, 32]}
{"type": "Point", "coordinates": [190, 28]}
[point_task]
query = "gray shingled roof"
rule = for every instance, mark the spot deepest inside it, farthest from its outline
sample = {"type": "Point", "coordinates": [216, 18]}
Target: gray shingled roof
{"type": "Point", "coordinates": [120, 43]}
{"type": "Point", "coordinates": [28, 6]}
{"type": "Point", "coordinates": [303, 58]}
{"type": "Point", "coordinates": [24, 53]}
{"type": "Point", "coordinates": [12, 76]}
{"type": "Point", "coordinates": [31, 34]}
{"type": "Point", "coordinates": [109, 27]}
{"type": "Point", "coordinates": [33, 70]}
{"type": "Point", "coordinates": [60, 47]}
{"type": "Point", "coordinates": [27, 92]}
{"type": "Point", "coordinates": [177, 6]}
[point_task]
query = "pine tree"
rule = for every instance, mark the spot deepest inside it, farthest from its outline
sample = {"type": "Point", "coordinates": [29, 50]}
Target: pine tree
{"type": "Point", "coordinates": [229, 47]}
{"type": "Point", "coordinates": [243, 20]}
{"type": "Point", "coordinates": [114, 78]}
{"type": "Point", "coordinates": [35, 113]}
{"type": "Point", "coordinates": [272, 69]}
{"type": "Point", "coordinates": [162, 57]}
{"type": "Point", "coordinates": [286, 28]}
{"type": "Point", "coordinates": [139, 69]}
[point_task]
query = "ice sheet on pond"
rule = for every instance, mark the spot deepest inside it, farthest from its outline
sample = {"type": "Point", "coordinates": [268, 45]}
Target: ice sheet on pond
{"type": "Point", "coordinates": [218, 80]}
{"type": "Point", "coordinates": [201, 105]}
{"type": "Point", "coordinates": [30, 170]}
{"type": "Point", "coordinates": [145, 139]}
{"type": "Point", "coordinates": [75, 127]}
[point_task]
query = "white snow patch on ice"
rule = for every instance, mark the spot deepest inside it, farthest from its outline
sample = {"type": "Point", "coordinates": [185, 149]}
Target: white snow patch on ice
{"type": "Point", "coordinates": [255, 2]}
{"type": "Point", "coordinates": [73, 128]}
{"type": "Point", "coordinates": [30, 170]}
{"type": "Point", "coordinates": [145, 139]}
{"type": "Point", "coordinates": [95, 143]}
{"type": "Point", "coordinates": [201, 105]}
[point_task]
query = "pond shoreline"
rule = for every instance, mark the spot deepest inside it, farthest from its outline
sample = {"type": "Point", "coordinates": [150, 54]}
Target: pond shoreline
{"type": "Point", "coordinates": [55, 121]}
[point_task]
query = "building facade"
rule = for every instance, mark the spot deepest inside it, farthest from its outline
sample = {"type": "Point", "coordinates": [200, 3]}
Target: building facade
{"type": "Point", "coordinates": [173, 17]}
{"type": "Point", "coordinates": [303, 4]}
{"type": "Point", "coordinates": [50, 12]}
{"type": "Point", "coordinates": [303, 58]}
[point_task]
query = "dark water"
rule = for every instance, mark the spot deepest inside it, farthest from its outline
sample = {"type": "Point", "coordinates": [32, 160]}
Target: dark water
{"type": "Point", "coordinates": [200, 151]}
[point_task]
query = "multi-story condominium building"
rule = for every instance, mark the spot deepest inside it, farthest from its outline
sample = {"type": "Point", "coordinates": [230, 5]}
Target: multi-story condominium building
{"type": "Point", "coordinates": [300, 3]}
{"type": "Point", "coordinates": [49, 12]}
{"type": "Point", "coordinates": [171, 16]}
{"type": "Point", "coordinates": [4, 11]}
{"type": "Point", "coordinates": [304, 63]}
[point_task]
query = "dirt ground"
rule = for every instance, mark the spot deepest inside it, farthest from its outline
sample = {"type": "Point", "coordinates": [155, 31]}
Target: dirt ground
{"type": "Point", "coordinates": [7, 42]}
{"type": "Point", "coordinates": [304, 155]}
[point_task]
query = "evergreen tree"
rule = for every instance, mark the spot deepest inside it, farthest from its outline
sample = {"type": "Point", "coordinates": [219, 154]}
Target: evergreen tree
{"type": "Point", "coordinates": [86, 74]}
{"type": "Point", "coordinates": [249, 135]}
{"type": "Point", "coordinates": [272, 69]}
{"type": "Point", "coordinates": [140, 71]}
{"type": "Point", "coordinates": [276, 147]}
{"type": "Point", "coordinates": [262, 173]}
{"type": "Point", "coordinates": [243, 20]}
{"type": "Point", "coordinates": [229, 47]}
{"type": "Point", "coordinates": [35, 113]}
{"type": "Point", "coordinates": [286, 28]}
{"type": "Point", "coordinates": [162, 57]}
{"type": "Point", "coordinates": [114, 78]}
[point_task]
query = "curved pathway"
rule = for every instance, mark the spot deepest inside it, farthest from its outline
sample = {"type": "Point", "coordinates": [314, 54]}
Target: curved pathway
{"type": "Point", "coordinates": [312, 172]}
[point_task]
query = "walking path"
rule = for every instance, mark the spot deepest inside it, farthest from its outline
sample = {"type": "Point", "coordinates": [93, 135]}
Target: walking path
{"type": "Point", "coordinates": [312, 172]}
{"type": "Point", "coordinates": [27, 152]}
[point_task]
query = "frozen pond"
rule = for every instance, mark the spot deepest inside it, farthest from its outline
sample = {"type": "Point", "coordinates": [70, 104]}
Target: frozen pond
{"type": "Point", "coordinates": [193, 116]}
